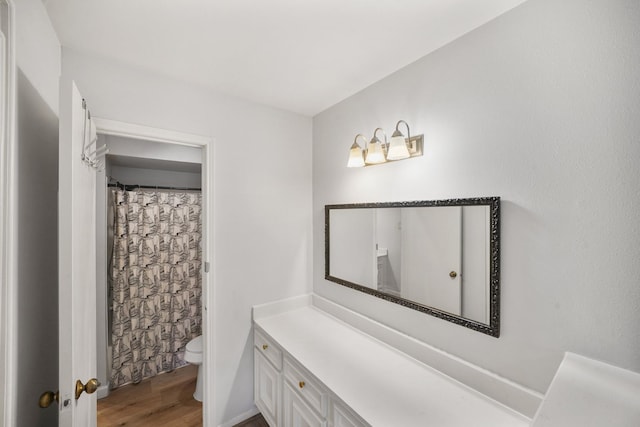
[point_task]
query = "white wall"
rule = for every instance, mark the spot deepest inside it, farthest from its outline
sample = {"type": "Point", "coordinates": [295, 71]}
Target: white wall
{"type": "Point", "coordinates": [389, 237]}
{"type": "Point", "coordinates": [158, 177]}
{"type": "Point", "coordinates": [38, 50]}
{"type": "Point", "coordinates": [352, 250]}
{"type": "Point", "coordinates": [540, 107]}
{"type": "Point", "coordinates": [38, 61]}
{"type": "Point", "coordinates": [262, 198]}
{"type": "Point", "coordinates": [121, 146]}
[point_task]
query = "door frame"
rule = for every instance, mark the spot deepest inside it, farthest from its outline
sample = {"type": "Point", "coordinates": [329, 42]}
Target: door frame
{"type": "Point", "coordinates": [8, 218]}
{"type": "Point", "coordinates": [206, 144]}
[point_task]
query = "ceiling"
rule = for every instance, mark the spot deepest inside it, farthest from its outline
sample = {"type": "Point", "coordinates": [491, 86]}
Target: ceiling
{"type": "Point", "coordinates": [299, 55]}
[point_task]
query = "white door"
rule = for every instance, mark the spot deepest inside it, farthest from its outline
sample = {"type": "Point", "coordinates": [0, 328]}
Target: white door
{"type": "Point", "coordinates": [76, 265]}
{"type": "Point", "coordinates": [431, 257]}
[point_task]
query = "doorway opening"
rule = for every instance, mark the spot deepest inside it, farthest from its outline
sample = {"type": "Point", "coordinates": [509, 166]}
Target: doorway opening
{"type": "Point", "coordinates": [153, 212]}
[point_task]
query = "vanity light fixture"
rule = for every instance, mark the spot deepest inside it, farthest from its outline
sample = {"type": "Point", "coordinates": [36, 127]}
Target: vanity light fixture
{"type": "Point", "coordinates": [377, 152]}
{"type": "Point", "coordinates": [398, 145]}
{"type": "Point", "coordinates": [356, 154]}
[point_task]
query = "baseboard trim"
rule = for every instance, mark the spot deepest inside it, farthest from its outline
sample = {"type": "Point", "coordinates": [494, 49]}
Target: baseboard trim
{"type": "Point", "coordinates": [103, 391]}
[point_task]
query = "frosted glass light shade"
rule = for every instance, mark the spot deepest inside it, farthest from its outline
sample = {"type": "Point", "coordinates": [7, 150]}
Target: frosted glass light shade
{"type": "Point", "coordinates": [356, 157]}
{"type": "Point", "coordinates": [398, 148]}
{"type": "Point", "coordinates": [375, 153]}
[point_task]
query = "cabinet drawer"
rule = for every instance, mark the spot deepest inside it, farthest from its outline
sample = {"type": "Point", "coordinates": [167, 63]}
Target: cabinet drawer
{"type": "Point", "coordinates": [268, 349]}
{"type": "Point", "coordinates": [306, 386]}
{"type": "Point", "coordinates": [341, 416]}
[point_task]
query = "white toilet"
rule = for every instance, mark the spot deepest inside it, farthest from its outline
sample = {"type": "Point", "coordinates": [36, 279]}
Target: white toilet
{"type": "Point", "coordinates": [193, 355]}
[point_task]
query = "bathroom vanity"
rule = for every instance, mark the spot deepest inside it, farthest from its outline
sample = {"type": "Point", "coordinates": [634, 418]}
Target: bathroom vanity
{"type": "Point", "coordinates": [313, 369]}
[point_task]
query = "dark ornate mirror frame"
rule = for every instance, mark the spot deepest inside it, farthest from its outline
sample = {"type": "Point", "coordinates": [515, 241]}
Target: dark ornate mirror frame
{"type": "Point", "coordinates": [493, 328]}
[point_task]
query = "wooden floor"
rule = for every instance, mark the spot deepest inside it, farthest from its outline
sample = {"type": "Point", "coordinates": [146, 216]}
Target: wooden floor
{"type": "Point", "coordinates": [163, 401]}
{"type": "Point", "coordinates": [255, 421]}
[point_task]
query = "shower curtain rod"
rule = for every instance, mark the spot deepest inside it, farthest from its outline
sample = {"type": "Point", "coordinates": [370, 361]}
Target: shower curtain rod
{"type": "Point", "coordinates": [131, 187]}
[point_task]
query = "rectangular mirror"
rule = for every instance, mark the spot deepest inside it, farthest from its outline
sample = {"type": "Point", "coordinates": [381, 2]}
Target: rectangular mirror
{"type": "Point", "coordinates": [439, 257]}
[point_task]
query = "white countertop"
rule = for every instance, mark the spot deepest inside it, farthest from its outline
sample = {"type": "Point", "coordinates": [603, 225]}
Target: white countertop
{"type": "Point", "coordinates": [384, 386]}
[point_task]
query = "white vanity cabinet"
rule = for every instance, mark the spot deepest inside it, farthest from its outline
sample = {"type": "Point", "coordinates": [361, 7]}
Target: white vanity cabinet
{"type": "Point", "coordinates": [341, 416]}
{"type": "Point", "coordinates": [305, 399]}
{"type": "Point", "coordinates": [285, 393]}
{"type": "Point", "coordinates": [306, 402]}
{"type": "Point", "coordinates": [297, 413]}
{"type": "Point", "coordinates": [267, 385]}
{"type": "Point", "coordinates": [312, 370]}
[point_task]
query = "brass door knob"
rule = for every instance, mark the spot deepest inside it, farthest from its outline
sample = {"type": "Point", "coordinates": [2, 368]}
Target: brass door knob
{"type": "Point", "coordinates": [264, 346]}
{"type": "Point", "coordinates": [453, 274]}
{"type": "Point", "coordinates": [301, 384]}
{"type": "Point", "coordinates": [90, 387]}
{"type": "Point", "coordinates": [47, 398]}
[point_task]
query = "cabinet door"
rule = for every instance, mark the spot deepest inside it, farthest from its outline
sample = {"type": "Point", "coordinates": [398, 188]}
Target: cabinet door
{"type": "Point", "coordinates": [267, 386]}
{"type": "Point", "coordinates": [343, 417]}
{"type": "Point", "coordinates": [306, 386]}
{"type": "Point", "coordinates": [297, 413]}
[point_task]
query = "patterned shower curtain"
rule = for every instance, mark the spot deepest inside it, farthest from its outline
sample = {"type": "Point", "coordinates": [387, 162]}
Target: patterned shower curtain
{"type": "Point", "coordinates": [156, 281]}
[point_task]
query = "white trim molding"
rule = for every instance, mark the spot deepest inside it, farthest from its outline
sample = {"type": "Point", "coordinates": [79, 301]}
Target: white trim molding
{"type": "Point", "coordinates": [130, 130]}
{"type": "Point", "coordinates": [8, 217]}
{"type": "Point", "coordinates": [134, 131]}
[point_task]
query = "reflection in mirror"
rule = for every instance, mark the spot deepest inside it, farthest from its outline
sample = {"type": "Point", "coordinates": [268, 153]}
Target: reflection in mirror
{"type": "Point", "coordinates": [439, 257]}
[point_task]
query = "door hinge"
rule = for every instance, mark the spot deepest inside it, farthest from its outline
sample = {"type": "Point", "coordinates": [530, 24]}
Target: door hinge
{"type": "Point", "coordinates": [206, 267]}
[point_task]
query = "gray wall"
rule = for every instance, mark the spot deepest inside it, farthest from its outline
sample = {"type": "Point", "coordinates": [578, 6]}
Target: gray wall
{"type": "Point", "coordinates": [540, 107]}
{"type": "Point", "coordinates": [37, 260]}
{"type": "Point", "coordinates": [103, 251]}
{"type": "Point", "coordinates": [38, 61]}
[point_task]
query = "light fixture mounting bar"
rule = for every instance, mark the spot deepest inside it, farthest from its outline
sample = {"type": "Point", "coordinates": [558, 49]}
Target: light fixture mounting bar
{"type": "Point", "coordinates": [415, 145]}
